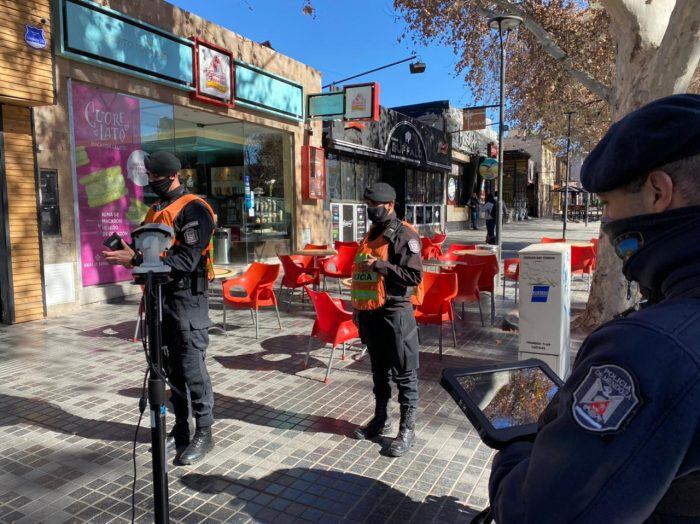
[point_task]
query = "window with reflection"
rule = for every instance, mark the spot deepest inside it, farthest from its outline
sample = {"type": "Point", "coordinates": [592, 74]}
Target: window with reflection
{"type": "Point", "coordinates": [333, 176]}
{"type": "Point", "coordinates": [347, 173]}
{"type": "Point", "coordinates": [410, 184]}
{"type": "Point", "coordinates": [361, 178]}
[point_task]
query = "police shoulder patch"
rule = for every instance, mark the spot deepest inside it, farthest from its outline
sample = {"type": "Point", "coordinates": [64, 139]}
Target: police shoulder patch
{"type": "Point", "coordinates": [605, 399]}
{"type": "Point", "coordinates": [414, 245]}
{"type": "Point", "coordinates": [191, 236]}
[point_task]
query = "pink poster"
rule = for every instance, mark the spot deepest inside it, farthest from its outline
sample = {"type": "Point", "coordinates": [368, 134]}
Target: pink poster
{"type": "Point", "coordinates": [110, 175]}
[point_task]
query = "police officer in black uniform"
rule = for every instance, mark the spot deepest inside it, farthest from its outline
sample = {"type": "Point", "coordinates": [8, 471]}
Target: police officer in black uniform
{"type": "Point", "coordinates": [620, 442]}
{"type": "Point", "coordinates": [390, 332]}
{"type": "Point", "coordinates": [185, 308]}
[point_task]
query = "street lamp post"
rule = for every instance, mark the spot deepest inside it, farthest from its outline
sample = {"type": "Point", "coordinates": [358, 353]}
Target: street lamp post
{"type": "Point", "coordinates": [566, 185]}
{"type": "Point", "coordinates": [504, 24]}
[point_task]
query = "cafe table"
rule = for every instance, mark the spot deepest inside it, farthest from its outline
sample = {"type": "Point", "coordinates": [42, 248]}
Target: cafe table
{"type": "Point", "coordinates": [433, 265]}
{"type": "Point", "coordinates": [316, 254]}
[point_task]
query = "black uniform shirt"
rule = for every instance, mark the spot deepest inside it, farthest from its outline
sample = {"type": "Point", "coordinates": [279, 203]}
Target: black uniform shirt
{"type": "Point", "coordinates": [403, 268]}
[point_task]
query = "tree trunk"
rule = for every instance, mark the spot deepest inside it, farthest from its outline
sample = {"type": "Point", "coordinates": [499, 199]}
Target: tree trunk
{"type": "Point", "coordinates": [658, 48]}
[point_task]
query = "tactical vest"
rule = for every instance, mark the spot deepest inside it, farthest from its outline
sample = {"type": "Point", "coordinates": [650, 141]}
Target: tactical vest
{"type": "Point", "coordinates": [169, 213]}
{"type": "Point", "coordinates": [368, 290]}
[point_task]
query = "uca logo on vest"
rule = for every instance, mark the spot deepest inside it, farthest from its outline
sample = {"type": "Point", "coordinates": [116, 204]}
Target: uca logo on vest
{"type": "Point", "coordinates": [362, 276]}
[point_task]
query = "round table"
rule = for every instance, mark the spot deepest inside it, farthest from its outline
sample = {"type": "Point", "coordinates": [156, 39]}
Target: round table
{"type": "Point", "coordinates": [579, 243]}
{"type": "Point", "coordinates": [431, 262]}
{"type": "Point", "coordinates": [478, 252]}
{"type": "Point", "coordinates": [316, 252]}
{"type": "Point", "coordinates": [223, 272]}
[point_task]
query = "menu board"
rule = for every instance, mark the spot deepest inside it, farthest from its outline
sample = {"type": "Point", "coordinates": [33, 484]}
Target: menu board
{"type": "Point", "coordinates": [361, 221]}
{"type": "Point", "coordinates": [335, 221]}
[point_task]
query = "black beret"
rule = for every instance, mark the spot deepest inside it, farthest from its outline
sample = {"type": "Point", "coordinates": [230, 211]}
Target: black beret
{"type": "Point", "coordinates": [663, 131]}
{"type": "Point", "coordinates": [162, 163]}
{"type": "Point", "coordinates": [380, 192]}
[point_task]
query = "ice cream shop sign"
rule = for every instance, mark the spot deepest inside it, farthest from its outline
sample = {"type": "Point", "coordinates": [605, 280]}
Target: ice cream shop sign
{"type": "Point", "coordinates": [106, 125]}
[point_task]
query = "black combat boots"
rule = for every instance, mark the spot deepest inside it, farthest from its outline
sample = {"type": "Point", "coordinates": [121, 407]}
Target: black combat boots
{"type": "Point", "coordinates": [379, 425]}
{"type": "Point", "coordinates": [407, 434]}
{"type": "Point", "coordinates": [202, 443]}
{"type": "Point", "coordinates": [179, 436]}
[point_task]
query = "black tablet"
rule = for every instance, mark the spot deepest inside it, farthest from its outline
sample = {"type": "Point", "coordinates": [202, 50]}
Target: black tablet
{"type": "Point", "coordinates": [503, 401]}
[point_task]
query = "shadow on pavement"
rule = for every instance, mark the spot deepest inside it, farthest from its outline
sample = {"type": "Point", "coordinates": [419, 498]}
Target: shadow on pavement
{"type": "Point", "coordinates": [327, 496]}
{"type": "Point", "coordinates": [226, 407]}
{"type": "Point", "coordinates": [44, 414]}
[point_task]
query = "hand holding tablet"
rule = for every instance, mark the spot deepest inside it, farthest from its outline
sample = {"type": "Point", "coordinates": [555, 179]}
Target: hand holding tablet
{"type": "Point", "coordinates": [503, 401]}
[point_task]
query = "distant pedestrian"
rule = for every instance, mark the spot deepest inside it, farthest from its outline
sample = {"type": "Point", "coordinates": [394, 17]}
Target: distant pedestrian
{"type": "Point", "coordinates": [490, 210]}
{"type": "Point", "coordinates": [474, 210]}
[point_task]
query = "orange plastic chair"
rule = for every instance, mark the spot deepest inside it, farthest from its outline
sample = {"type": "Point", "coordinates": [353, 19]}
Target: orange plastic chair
{"type": "Point", "coordinates": [257, 282]}
{"type": "Point", "coordinates": [333, 325]}
{"type": "Point", "coordinates": [488, 272]}
{"type": "Point", "coordinates": [549, 240]}
{"type": "Point", "coordinates": [467, 285]}
{"type": "Point", "coordinates": [296, 276]}
{"type": "Point", "coordinates": [339, 266]}
{"type": "Point", "coordinates": [511, 271]}
{"type": "Point", "coordinates": [440, 289]}
{"type": "Point", "coordinates": [582, 260]}
{"type": "Point", "coordinates": [428, 249]}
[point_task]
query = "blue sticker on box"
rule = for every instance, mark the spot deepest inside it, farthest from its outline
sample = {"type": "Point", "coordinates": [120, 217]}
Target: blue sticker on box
{"type": "Point", "coordinates": [540, 293]}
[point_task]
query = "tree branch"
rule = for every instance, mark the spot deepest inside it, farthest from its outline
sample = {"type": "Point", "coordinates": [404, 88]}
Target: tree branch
{"type": "Point", "coordinates": [647, 19]}
{"type": "Point", "coordinates": [679, 53]}
{"type": "Point", "coordinates": [544, 38]}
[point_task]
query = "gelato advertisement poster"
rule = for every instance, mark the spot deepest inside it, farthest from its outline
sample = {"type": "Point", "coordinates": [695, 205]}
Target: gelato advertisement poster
{"type": "Point", "coordinates": [110, 175]}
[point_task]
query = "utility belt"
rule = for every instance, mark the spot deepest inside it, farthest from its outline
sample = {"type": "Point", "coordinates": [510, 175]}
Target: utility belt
{"type": "Point", "coordinates": [197, 281]}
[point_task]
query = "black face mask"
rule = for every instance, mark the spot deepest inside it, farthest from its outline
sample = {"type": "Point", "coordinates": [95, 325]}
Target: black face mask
{"type": "Point", "coordinates": [161, 186]}
{"type": "Point", "coordinates": [653, 245]}
{"type": "Point", "coordinates": [377, 214]}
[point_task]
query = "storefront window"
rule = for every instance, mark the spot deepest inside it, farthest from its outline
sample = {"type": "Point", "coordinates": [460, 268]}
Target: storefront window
{"type": "Point", "coordinates": [347, 172]}
{"type": "Point", "coordinates": [361, 178]}
{"type": "Point", "coordinates": [243, 170]}
{"type": "Point", "coordinates": [333, 176]}
{"type": "Point", "coordinates": [410, 184]}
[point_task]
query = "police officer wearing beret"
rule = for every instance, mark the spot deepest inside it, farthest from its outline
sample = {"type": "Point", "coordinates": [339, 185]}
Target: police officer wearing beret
{"type": "Point", "coordinates": [387, 270]}
{"type": "Point", "coordinates": [185, 302]}
{"type": "Point", "coordinates": [620, 442]}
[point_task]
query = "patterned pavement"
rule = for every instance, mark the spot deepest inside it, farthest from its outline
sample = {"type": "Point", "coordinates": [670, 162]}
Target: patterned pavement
{"type": "Point", "coordinates": [69, 391]}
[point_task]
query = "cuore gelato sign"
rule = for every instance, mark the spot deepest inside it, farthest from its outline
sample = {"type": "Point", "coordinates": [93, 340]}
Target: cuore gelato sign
{"type": "Point", "coordinates": [110, 175]}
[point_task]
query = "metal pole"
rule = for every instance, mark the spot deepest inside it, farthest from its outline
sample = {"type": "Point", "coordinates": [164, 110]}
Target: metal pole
{"type": "Point", "coordinates": [156, 400]}
{"type": "Point", "coordinates": [566, 186]}
{"type": "Point", "coordinates": [499, 219]}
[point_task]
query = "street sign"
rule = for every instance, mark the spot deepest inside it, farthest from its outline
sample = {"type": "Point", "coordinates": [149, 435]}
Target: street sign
{"type": "Point", "coordinates": [326, 106]}
{"type": "Point", "coordinates": [473, 119]}
{"type": "Point", "coordinates": [356, 102]}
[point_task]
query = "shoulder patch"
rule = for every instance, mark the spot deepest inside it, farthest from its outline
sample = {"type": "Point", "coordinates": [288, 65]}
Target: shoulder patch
{"type": "Point", "coordinates": [605, 399]}
{"type": "Point", "coordinates": [414, 245]}
{"type": "Point", "coordinates": [191, 236]}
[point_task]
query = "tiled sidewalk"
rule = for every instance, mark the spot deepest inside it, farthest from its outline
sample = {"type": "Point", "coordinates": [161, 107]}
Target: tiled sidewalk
{"type": "Point", "coordinates": [68, 410]}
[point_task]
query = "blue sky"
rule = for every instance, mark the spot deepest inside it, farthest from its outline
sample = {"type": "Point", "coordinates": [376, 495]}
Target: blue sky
{"type": "Point", "coordinates": [345, 38]}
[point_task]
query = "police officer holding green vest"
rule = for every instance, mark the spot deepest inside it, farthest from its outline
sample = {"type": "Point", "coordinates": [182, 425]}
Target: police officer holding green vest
{"type": "Point", "coordinates": [387, 270]}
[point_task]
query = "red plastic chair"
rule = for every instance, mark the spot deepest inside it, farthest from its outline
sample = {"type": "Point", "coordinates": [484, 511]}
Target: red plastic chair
{"type": "Point", "coordinates": [549, 240]}
{"type": "Point", "coordinates": [257, 282]}
{"type": "Point", "coordinates": [428, 249]}
{"type": "Point", "coordinates": [438, 239]}
{"type": "Point", "coordinates": [339, 243]}
{"type": "Point", "coordinates": [511, 271]}
{"type": "Point", "coordinates": [467, 285]}
{"type": "Point", "coordinates": [333, 325]}
{"type": "Point", "coordinates": [440, 289]}
{"type": "Point", "coordinates": [488, 272]}
{"type": "Point", "coordinates": [339, 266]}
{"type": "Point", "coordinates": [594, 241]}
{"type": "Point", "coordinates": [296, 276]}
{"type": "Point", "coordinates": [582, 261]}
